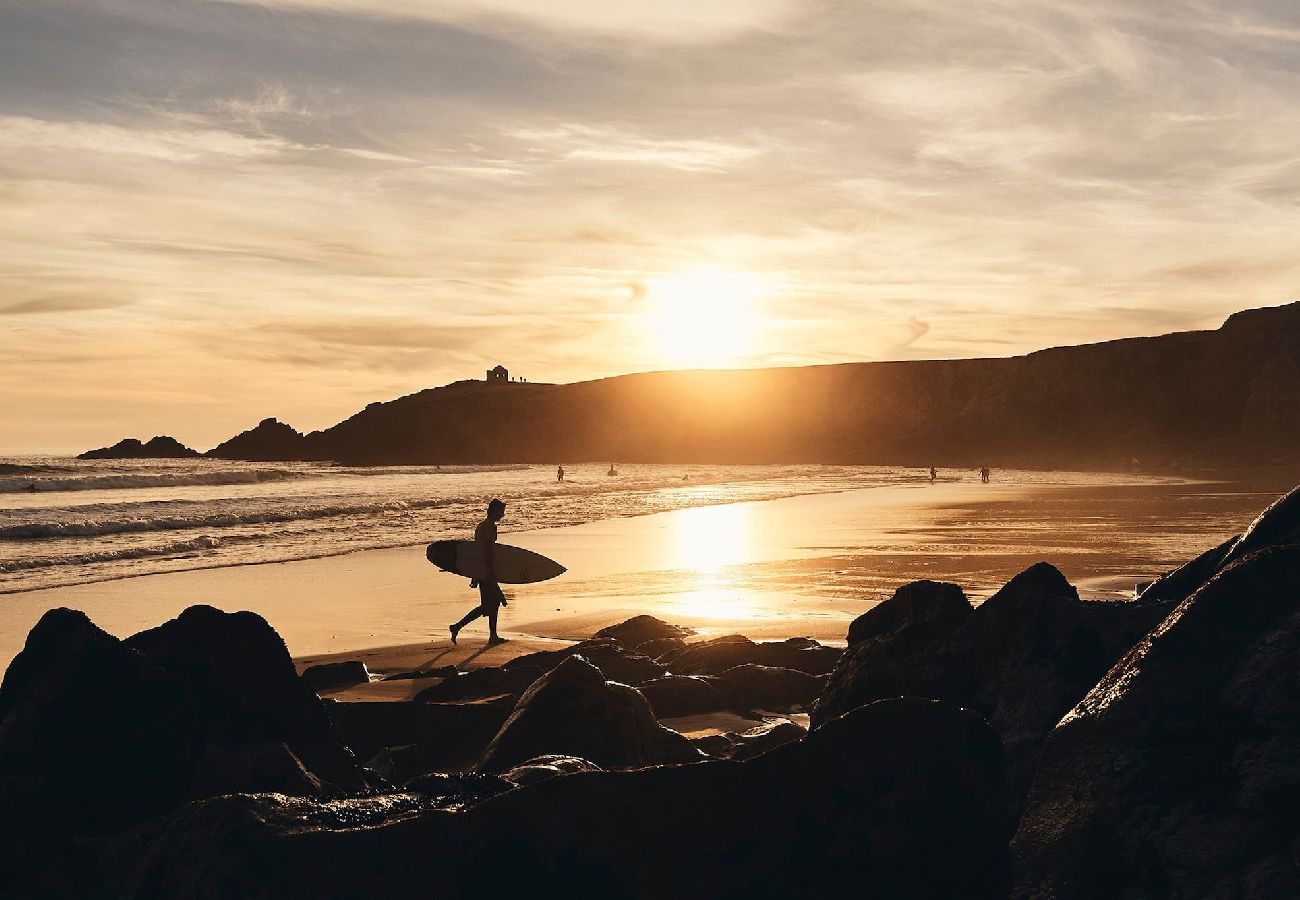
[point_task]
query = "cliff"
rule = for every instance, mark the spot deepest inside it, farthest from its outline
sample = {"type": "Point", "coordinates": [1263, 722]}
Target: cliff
{"type": "Point", "coordinates": [1222, 397]}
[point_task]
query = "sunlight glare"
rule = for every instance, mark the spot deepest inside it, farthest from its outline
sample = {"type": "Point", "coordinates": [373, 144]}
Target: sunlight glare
{"type": "Point", "coordinates": [710, 538]}
{"type": "Point", "coordinates": [705, 319]}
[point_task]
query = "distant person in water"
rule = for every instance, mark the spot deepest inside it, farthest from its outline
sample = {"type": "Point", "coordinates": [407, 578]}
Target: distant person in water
{"type": "Point", "coordinates": [559, 473]}
{"type": "Point", "coordinates": [490, 597]}
{"type": "Point", "coordinates": [984, 474]}
{"type": "Point", "coordinates": [933, 474]}
{"type": "Point", "coordinates": [612, 470]}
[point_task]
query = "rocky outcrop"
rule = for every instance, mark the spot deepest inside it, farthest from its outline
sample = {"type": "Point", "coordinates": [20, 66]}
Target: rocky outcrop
{"type": "Point", "coordinates": [1022, 658]}
{"type": "Point", "coordinates": [660, 647]}
{"type": "Point", "coordinates": [606, 654]}
{"type": "Point", "coordinates": [917, 614]}
{"type": "Point", "coordinates": [573, 711]}
{"type": "Point", "coordinates": [479, 684]}
{"type": "Point", "coordinates": [1177, 774]}
{"type": "Point", "coordinates": [715, 656]}
{"type": "Point", "coordinates": [95, 726]}
{"type": "Point", "coordinates": [902, 799]}
{"type": "Point", "coordinates": [546, 767]}
{"type": "Point", "coordinates": [682, 695]}
{"type": "Point", "coordinates": [752, 686]}
{"type": "Point", "coordinates": [161, 447]}
{"type": "Point", "coordinates": [1275, 526]}
{"type": "Point", "coordinates": [336, 676]}
{"type": "Point", "coordinates": [442, 737]}
{"type": "Point", "coordinates": [271, 440]}
{"type": "Point", "coordinates": [246, 688]}
{"type": "Point", "coordinates": [632, 633]}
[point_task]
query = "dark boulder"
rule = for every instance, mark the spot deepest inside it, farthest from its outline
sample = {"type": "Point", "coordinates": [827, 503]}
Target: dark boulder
{"type": "Point", "coordinates": [715, 656]}
{"type": "Point", "coordinates": [1022, 658]}
{"type": "Point", "coordinates": [1177, 774]}
{"type": "Point", "coordinates": [606, 654]}
{"type": "Point", "coordinates": [683, 695]}
{"type": "Point", "coordinates": [101, 728]}
{"type": "Point", "coordinates": [763, 738]}
{"type": "Point", "coordinates": [336, 676]}
{"type": "Point", "coordinates": [246, 688]}
{"type": "Point", "coordinates": [752, 686]}
{"type": "Point", "coordinates": [546, 767]}
{"type": "Point", "coordinates": [660, 647]}
{"type": "Point", "coordinates": [573, 711]}
{"type": "Point", "coordinates": [902, 799]}
{"type": "Point", "coordinates": [1276, 526]}
{"type": "Point", "coordinates": [445, 736]}
{"type": "Point", "coordinates": [919, 613]}
{"type": "Point", "coordinates": [479, 684]}
{"type": "Point", "coordinates": [249, 768]}
{"type": "Point", "coordinates": [638, 630]}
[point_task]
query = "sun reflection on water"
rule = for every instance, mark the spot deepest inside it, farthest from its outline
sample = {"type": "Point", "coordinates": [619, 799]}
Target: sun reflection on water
{"type": "Point", "coordinates": [709, 540]}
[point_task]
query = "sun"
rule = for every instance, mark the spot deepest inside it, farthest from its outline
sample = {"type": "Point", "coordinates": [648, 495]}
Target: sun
{"type": "Point", "coordinates": [705, 319]}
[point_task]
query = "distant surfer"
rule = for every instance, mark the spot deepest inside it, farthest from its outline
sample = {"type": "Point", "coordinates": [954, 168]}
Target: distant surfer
{"type": "Point", "coordinates": [612, 470]}
{"type": "Point", "coordinates": [933, 474]}
{"type": "Point", "coordinates": [559, 473]}
{"type": "Point", "coordinates": [490, 597]}
{"type": "Point", "coordinates": [984, 474]}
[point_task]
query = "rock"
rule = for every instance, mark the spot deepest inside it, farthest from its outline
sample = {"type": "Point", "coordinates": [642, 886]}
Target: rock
{"type": "Point", "coordinates": [546, 767]}
{"type": "Point", "coordinates": [920, 612]}
{"type": "Point", "coordinates": [250, 768]}
{"type": "Point", "coordinates": [762, 738]}
{"type": "Point", "coordinates": [639, 629]}
{"type": "Point", "coordinates": [246, 688]}
{"type": "Point", "coordinates": [752, 686]}
{"type": "Point", "coordinates": [271, 440]}
{"type": "Point", "coordinates": [446, 736]}
{"type": "Point", "coordinates": [479, 684]}
{"type": "Point", "coordinates": [105, 731]}
{"type": "Point", "coordinates": [1176, 775]}
{"type": "Point", "coordinates": [682, 695]}
{"type": "Point", "coordinates": [606, 654]}
{"type": "Point", "coordinates": [1022, 658]}
{"type": "Point", "coordinates": [902, 799]}
{"type": "Point", "coordinates": [461, 789]}
{"type": "Point", "coordinates": [417, 674]}
{"type": "Point", "coordinates": [715, 656]}
{"type": "Point", "coordinates": [1276, 526]}
{"type": "Point", "coordinates": [336, 676]}
{"type": "Point", "coordinates": [559, 715]}
{"type": "Point", "coordinates": [161, 447]}
{"type": "Point", "coordinates": [659, 647]}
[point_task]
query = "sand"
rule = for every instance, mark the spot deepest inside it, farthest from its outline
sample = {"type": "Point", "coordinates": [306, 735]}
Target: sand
{"type": "Point", "coordinates": [802, 566]}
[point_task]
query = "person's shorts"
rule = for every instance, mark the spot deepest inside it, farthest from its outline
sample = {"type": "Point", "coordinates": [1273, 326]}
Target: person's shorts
{"type": "Point", "coordinates": [489, 594]}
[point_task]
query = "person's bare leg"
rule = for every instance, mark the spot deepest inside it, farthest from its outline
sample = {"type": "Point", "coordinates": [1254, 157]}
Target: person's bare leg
{"type": "Point", "coordinates": [469, 617]}
{"type": "Point", "coordinates": [493, 637]}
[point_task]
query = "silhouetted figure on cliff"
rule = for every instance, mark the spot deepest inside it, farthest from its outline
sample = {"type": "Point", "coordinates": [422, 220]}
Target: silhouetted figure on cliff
{"type": "Point", "coordinates": [490, 597]}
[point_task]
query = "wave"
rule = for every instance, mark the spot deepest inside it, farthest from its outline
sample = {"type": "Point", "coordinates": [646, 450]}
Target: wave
{"type": "Point", "coordinates": [205, 542]}
{"type": "Point", "coordinates": [125, 482]}
{"type": "Point", "coordinates": [101, 527]}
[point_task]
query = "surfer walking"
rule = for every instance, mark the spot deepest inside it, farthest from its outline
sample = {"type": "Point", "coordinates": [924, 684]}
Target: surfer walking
{"type": "Point", "coordinates": [490, 596]}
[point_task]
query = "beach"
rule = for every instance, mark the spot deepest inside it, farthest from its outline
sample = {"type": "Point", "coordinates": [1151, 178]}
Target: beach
{"type": "Point", "coordinates": [792, 566]}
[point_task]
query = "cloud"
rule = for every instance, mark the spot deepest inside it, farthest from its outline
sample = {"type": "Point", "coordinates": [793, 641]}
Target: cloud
{"type": "Point", "coordinates": [674, 21]}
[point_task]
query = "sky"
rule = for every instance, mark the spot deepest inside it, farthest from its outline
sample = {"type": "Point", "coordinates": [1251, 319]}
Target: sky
{"type": "Point", "coordinates": [214, 211]}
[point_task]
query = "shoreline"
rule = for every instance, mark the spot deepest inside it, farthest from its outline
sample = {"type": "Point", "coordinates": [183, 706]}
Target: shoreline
{"type": "Point", "coordinates": [803, 565]}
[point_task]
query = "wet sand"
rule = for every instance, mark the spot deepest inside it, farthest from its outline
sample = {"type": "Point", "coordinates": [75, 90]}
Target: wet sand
{"type": "Point", "coordinates": [802, 566]}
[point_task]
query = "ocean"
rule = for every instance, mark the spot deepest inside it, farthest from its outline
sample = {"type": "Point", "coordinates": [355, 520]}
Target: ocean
{"type": "Point", "coordinates": [65, 521]}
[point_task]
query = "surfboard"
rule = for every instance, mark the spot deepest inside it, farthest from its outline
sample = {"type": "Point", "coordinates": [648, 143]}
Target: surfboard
{"type": "Point", "coordinates": [514, 565]}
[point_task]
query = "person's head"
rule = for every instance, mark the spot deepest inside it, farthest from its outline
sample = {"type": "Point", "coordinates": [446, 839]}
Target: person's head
{"type": "Point", "coordinates": [496, 509]}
